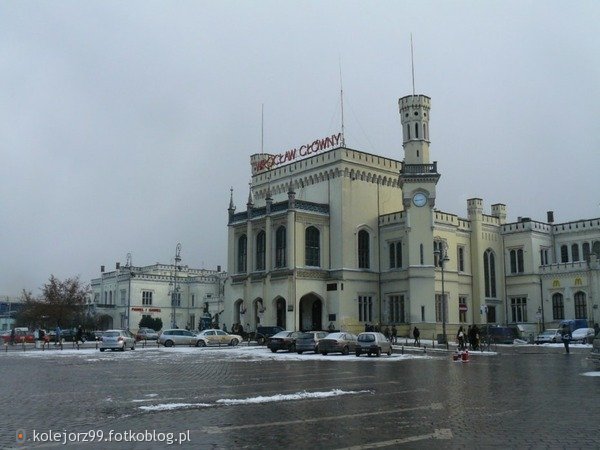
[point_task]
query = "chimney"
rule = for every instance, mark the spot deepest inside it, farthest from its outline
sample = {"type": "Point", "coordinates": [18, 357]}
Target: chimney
{"type": "Point", "coordinates": [218, 268]}
{"type": "Point", "coordinates": [101, 269]}
{"type": "Point", "coordinates": [550, 216]}
{"type": "Point", "coordinates": [117, 265]}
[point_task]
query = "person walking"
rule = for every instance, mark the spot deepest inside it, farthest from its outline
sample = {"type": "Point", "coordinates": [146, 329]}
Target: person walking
{"type": "Point", "coordinates": [460, 338]}
{"type": "Point", "coordinates": [417, 336]}
{"type": "Point", "coordinates": [566, 336]}
{"type": "Point", "coordinates": [386, 332]}
{"type": "Point", "coordinates": [79, 335]}
{"type": "Point", "coordinates": [58, 332]}
{"type": "Point", "coordinates": [394, 334]}
{"type": "Point", "coordinates": [13, 334]}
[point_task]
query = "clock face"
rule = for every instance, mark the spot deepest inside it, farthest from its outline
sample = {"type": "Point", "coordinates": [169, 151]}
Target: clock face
{"type": "Point", "coordinates": [419, 199]}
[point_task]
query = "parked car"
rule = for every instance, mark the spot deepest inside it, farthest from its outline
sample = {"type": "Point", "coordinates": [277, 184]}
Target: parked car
{"type": "Point", "coordinates": [117, 340]}
{"type": "Point", "coordinates": [342, 342]}
{"type": "Point", "coordinates": [373, 343]}
{"type": "Point", "coordinates": [309, 341]}
{"type": "Point", "coordinates": [217, 337]}
{"type": "Point", "coordinates": [582, 336]}
{"type": "Point", "coordinates": [551, 335]}
{"type": "Point", "coordinates": [499, 335]}
{"type": "Point", "coordinates": [21, 335]}
{"type": "Point", "coordinates": [263, 334]}
{"type": "Point", "coordinates": [169, 338]}
{"type": "Point", "coordinates": [146, 334]}
{"type": "Point", "coordinates": [284, 340]}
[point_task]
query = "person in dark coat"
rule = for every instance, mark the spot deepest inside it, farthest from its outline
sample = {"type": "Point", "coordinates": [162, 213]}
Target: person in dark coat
{"type": "Point", "coordinates": [460, 338]}
{"type": "Point", "coordinates": [394, 334]}
{"type": "Point", "coordinates": [566, 336]}
{"type": "Point", "coordinates": [79, 334]}
{"type": "Point", "coordinates": [417, 336]}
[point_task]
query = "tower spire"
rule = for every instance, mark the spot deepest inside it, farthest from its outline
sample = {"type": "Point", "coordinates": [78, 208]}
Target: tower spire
{"type": "Point", "coordinates": [250, 199]}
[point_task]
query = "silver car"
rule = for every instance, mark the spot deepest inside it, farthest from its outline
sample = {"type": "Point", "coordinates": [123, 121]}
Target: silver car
{"type": "Point", "coordinates": [373, 343]}
{"type": "Point", "coordinates": [217, 337]}
{"type": "Point", "coordinates": [117, 340]}
{"type": "Point", "coordinates": [169, 338]}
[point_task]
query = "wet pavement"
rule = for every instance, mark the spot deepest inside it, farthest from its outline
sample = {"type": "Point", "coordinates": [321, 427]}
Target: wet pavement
{"type": "Point", "coordinates": [250, 398]}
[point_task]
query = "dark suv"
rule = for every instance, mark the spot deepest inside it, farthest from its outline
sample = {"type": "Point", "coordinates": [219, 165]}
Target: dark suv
{"type": "Point", "coordinates": [264, 333]}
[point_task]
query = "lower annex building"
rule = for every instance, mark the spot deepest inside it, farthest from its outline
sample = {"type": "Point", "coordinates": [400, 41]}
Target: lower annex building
{"type": "Point", "coordinates": [349, 238]}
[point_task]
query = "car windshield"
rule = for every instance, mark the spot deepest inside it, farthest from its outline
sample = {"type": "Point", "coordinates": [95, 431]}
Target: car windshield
{"type": "Point", "coordinates": [366, 338]}
{"type": "Point", "coordinates": [112, 333]}
{"type": "Point", "coordinates": [305, 336]}
{"type": "Point", "coordinates": [282, 334]}
{"type": "Point", "coordinates": [335, 336]}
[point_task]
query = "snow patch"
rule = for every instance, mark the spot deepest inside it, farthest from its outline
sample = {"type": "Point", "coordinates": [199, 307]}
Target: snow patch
{"type": "Point", "coordinates": [287, 397]}
{"type": "Point", "coordinates": [591, 374]}
{"type": "Point", "coordinates": [172, 406]}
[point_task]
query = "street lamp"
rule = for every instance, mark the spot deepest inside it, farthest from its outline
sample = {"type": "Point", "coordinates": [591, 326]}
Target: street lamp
{"type": "Point", "coordinates": [443, 258]}
{"type": "Point", "coordinates": [174, 294]}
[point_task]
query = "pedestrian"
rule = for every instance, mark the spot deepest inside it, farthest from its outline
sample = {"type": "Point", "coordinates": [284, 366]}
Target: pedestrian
{"type": "Point", "coordinates": [469, 340]}
{"type": "Point", "coordinates": [58, 332]}
{"type": "Point", "coordinates": [394, 334]}
{"type": "Point", "coordinates": [460, 337]}
{"type": "Point", "coordinates": [566, 336]}
{"type": "Point", "coordinates": [386, 332]}
{"type": "Point", "coordinates": [79, 335]}
{"type": "Point", "coordinates": [12, 336]}
{"type": "Point", "coordinates": [474, 337]}
{"type": "Point", "coordinates": [225, 328]}
{"type": "Point", "coordinates": [596, 329]}
{"type": "Point", "coordinates": [417, 335]}
{"type": "Point", "coordinates": [366, 326]}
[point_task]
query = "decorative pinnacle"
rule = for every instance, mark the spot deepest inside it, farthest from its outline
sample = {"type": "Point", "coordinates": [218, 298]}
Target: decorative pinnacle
{"type": "Point", "coordinates": [250, 200]}
{"type": "Point", "coordinates": [231, 205]}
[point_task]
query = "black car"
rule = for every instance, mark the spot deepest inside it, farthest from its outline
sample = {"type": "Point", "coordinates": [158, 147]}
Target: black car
{"type": "Point", "coordinates": [263, 334]}
{"type": "Point", "coordinates": [284, 340]}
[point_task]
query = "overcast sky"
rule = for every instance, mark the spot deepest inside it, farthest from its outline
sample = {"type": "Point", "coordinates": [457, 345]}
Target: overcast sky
{"type": "Point", "coordinates": [124, 124]}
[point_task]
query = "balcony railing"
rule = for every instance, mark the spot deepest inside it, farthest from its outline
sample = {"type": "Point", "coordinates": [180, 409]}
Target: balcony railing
{"type": "Point", "coordinates": [418, 169]}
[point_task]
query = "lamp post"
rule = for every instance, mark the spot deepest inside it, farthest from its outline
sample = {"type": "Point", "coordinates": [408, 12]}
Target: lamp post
{"type": "Point", "coordinates": [174, 296]}
{"type": "Point", "coordinates": [443, 258]}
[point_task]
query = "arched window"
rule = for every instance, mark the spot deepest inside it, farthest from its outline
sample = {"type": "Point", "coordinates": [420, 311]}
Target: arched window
{"type": "Point", "coordinates": [241, 253]}
{"type": "Point", "coordinates": [422, 255]}
{"type": "Point", "coordinates": [408, 131]}
{"type": "Point", "coordinates": [596, 248]}
{"type": "Point", "coordinates": [425, 132]}
{"type": "Point", "coordinates": [280, 246]}
{"type": "Point", "coordinates": [564, 253]}
{"type": "Point", "coordinates": [260, 250]}
{"type": "Point", "coordinates": [586, 251]}
{"type": "Point", "coordinates": [416, 131]}
{"type": "Point", "coordinates": [312, 247]}
{"type": "Point", "coordinates": [558, 307]}
{"type": "Point", "coordinates": [516, 261]}
{"type": "Point", "coordinates": [489, 272]}
{"type": "Point", "coordinates": [363, 249]}
{"type": "Point", "coordinates": [580, 305]}
{"type": "Point", "coordinates": [575, 252]}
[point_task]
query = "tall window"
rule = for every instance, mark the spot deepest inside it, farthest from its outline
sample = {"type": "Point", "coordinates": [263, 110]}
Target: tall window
{"type": "Point", "coordinates": [516, 261]}
{"type": "Point", "coordinates": [421, 254]}
{"type": "Point", "coordinates": [260, 250]}
{"type": "Point", "coordinates": [312, 247]}
{"type": "Point", "coordinates": [123, 297]}
{"type": "Point", "coordinates": [575, 252]}
{"type": "Point", "coordinates": [564, 253]}
{"type": "Point", "coordinates": [558, 307]}
{"type": "Point", "coordinates": [363, 249]}
{"type": "Point", "coordinates": [438, 308]}
{"type": "Point", "coordinates": [580, 305]}
{"type": "Point", "coordinates": [489, 273]}
{"type": "Point", "coordinates": [365, 308]}
{"type": "Point", "coordinates": [586, 251]}
{"type": "Point", "coordinates": [280, 246]}
{"type": "Point", "coordinates": [241, 253]}
{"type": "Point", "coordinates": [596, 248]}
{"type": "Point", "coordinates": [416, 131]}
{"type": "Point", "coordinates": [518, 307]}
{"type": "Point", "coordinates": [176, 298]}
{"type": "Point", "coordinates": [408, 131]}
{"type": "Point", "coordinates": [147, 298]}
{"type": "Point", "coordinates": [396, 313]}
{"type": "Point", "coordinates": [462, 309]}
{"type": "Point", "coordinates": [461, 259]}
{"type": "Point", "coordinates": [544, 256]}
{"type": "Point", "coordinates": [395, 255]}
{"type": "Point", "coordinates": [193, 301]}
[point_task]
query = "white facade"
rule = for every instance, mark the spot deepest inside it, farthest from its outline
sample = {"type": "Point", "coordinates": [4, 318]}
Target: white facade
{"type": "Point", "coordinates": [179, 295]}
{"type": "Point", "coordinates": [351, 238]}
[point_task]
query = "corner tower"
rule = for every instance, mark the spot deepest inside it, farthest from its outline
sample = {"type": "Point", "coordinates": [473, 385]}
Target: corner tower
{"type": "Point", "coordinates": [414, 116]}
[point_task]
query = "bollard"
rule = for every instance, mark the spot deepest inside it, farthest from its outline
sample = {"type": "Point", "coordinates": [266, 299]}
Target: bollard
{"type": "Point", "coordinates": [402, 350]}
{"type": "Point", "coordinates": [424, 349]}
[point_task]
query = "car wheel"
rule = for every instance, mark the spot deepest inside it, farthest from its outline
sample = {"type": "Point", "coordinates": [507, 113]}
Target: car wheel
{"type": "Point", "coordinates": [345, 350]}
{"type": "Point", "coordinates": [357, 353]}
{"type": "Point", "coordinates": [123, 348]}
{"type": "Point", "coordinates": [133, 346]}
{"type": "Point", "coordinates": [369, 354]}
{"type": "Point", "coordinates": [292, 348]}
{"type": "Point", "coordinates": [169, 343]}
{"type": "Point", "coordinates": [260, 341]}
{"type": "Point", "coordinates": [102, 349]}
{"type": "Point", "coordinates": [389, 353]}
{"type": "Point", "coordinates": [273, 350]}
{"type": "Point", "coordinates": [234, 342]}
{"type": "Point", "coordinates": [324, 353]}
{"type": "Point", "coordinates": [378, 352]}
{"type": "Point", "coordinates": [201, 344]}
{"type": "Point", "coordinates": [300, 352]}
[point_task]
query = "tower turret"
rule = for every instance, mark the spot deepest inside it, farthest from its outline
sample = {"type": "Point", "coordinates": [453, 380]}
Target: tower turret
{"type": "Point", "coordinates": [414, 116]}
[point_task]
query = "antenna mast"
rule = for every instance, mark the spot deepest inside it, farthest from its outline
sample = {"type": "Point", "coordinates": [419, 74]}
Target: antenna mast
{"type": "Point", "coordinates": [412, 62]}
{"type": "Point", "coordinates": [342, 104]}
{"type": "Point", "coordinates": [262, 128]}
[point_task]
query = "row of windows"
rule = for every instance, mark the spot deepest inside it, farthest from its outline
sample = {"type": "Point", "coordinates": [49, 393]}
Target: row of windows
{"type": "Point", "coordinates": [587, 250]}
{"type": "Point", "coordinates": [558, 306]}
{"type": "Point", "coordinates": [416, 129]}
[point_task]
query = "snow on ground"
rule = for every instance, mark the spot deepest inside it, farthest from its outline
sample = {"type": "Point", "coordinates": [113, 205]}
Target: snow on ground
{"type": "Point", "coordinates": [591, 374]}
{"type": "Point", "coordinates": [241, 353]}
{"type": "Point", "coordinates": [252, 400]}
